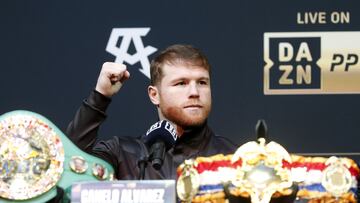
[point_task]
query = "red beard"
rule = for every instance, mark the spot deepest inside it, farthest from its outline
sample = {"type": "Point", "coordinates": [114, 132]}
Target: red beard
{"type": "Point", "coordinates": [183, 119]}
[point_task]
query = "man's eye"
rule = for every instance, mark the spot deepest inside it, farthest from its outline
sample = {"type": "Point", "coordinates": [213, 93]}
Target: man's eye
{"type": "Point", "coordinates": [203, 82]}
{"type": "Point", "coordinates": [180, 83]}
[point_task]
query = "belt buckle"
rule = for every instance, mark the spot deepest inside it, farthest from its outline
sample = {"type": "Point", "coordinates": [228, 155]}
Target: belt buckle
{"type": "Point", "coordinates": [262, 173]}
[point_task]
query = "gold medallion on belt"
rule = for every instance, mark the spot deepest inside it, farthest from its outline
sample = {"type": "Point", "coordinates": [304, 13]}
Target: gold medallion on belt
{"type": "Point", "coordinates": [336, 177]}
{"type": "Point", "coordinates": [188, 182]}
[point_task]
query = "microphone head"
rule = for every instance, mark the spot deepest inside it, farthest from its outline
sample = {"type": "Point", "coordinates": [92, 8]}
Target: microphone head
{"type": "Point", "coordinates": [261, 129]}
{"type": "Point", "coordinates": [161, 131]}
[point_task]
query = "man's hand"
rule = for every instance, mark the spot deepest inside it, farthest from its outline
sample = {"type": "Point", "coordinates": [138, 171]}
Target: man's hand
{"type": "Point", "coordinates": [111, 78]}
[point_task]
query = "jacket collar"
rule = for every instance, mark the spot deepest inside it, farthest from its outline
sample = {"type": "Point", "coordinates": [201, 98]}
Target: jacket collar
{"type": "Point", "coordinates": [193, 140]}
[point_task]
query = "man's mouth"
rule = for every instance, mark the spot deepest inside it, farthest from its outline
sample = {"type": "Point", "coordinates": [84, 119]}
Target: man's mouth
{"type": "Point", "coordinates": [193, 106]}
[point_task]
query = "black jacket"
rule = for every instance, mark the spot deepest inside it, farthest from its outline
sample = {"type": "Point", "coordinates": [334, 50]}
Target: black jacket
{"type": "Point", "coordinates": [124, 152]}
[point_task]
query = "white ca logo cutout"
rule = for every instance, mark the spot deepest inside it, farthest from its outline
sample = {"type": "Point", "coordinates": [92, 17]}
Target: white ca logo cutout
{"type": "Point", "coordinates": [121, 52]}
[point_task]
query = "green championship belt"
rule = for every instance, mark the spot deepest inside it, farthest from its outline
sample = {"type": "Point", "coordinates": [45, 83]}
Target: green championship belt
{"type": "Point", "coordinates": [35, 157]}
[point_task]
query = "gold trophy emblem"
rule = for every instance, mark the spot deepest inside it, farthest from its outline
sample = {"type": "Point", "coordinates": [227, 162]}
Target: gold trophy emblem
{"type": "Point", "coordinates": [261, 173]}
{"type": "Point", "coordinates": [188, 182]}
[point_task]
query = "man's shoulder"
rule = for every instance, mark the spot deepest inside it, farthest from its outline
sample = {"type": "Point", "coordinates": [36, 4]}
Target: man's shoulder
{"type": "Point", "coordinates": [129, 144]}
{"type": "Point", "coordinates": [223, 144]}
{"type": "Point", "coordinates": [127, 138]}
{"type": "Point", "coordinates": [223, 139]}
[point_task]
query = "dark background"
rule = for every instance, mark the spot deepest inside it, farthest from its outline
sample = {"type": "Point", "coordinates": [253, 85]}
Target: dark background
{"type": "Point", "coordinates": [51, 53]}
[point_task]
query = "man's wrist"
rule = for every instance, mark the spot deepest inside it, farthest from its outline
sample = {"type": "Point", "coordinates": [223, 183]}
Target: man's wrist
{"type": "Point", "coordinates": [98, 100]}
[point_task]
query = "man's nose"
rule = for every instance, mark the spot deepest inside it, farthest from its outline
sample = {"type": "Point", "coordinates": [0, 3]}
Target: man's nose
{"type": "Point", "coordinates": [193, 90]}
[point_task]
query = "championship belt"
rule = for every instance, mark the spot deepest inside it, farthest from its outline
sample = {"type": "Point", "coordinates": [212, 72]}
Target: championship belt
{"type": "Point", "coordinates": [255, 171]}
{"type": "Point", "coordinates": [35, 156]}
{"type": "Point", "coordinates": [323, 179]}
{"type": "Point", "coordinates": [262, 173]}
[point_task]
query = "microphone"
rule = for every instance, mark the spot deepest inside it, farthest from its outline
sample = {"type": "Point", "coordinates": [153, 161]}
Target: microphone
{"type": "Point", "coordinates": [160, 138]}
{"type": "Point", "coordinates": [261, 129]}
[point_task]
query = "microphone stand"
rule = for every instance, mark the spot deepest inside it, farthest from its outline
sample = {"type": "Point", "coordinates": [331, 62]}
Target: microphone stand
{"type": "Point", "coordinates": [142, 164]}
{"type": "Point", "coordinates": [154, 157]}
{"type": "Point", "coordinates": [143, 161]}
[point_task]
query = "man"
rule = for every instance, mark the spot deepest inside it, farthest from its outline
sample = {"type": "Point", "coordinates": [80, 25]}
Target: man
{"type": "Point", "coordinates": [180, 90]}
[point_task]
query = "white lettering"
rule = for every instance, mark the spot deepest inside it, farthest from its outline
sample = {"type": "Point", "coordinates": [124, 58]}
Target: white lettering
{"type": "Point", "coordinates": [311, 18]}
{"type": "Point", "coordinates": [304, 52]}
{"type": "Point", "coordinates": [286, 51]}
{"type": "Point", "coordinates": [121, 52]}
{"type": "Point", "coordinates": [155, 126]}
{"type": "Point", "coordinates": [171, 130]}
{"type": "Point", "coordinates": [142, 196]}
{"type": "Point", "coordinates": [340, 17]}
{"type": "Point", "coordinates": [126, 196]}
{"type": "Point", "coordinates": [99, 196]}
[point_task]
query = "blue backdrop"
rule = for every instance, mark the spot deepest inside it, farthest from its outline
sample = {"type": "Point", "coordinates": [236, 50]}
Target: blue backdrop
{"type": "Point", "coordinates": [52, 51]}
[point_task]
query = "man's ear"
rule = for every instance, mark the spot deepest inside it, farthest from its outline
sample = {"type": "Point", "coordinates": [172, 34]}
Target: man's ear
{"type": "Point", "coordinates": [154, 96]}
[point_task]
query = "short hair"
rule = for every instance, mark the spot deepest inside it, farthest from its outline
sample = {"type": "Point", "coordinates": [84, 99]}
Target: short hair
{"type": "Point", "coordinates": [176, 54]}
